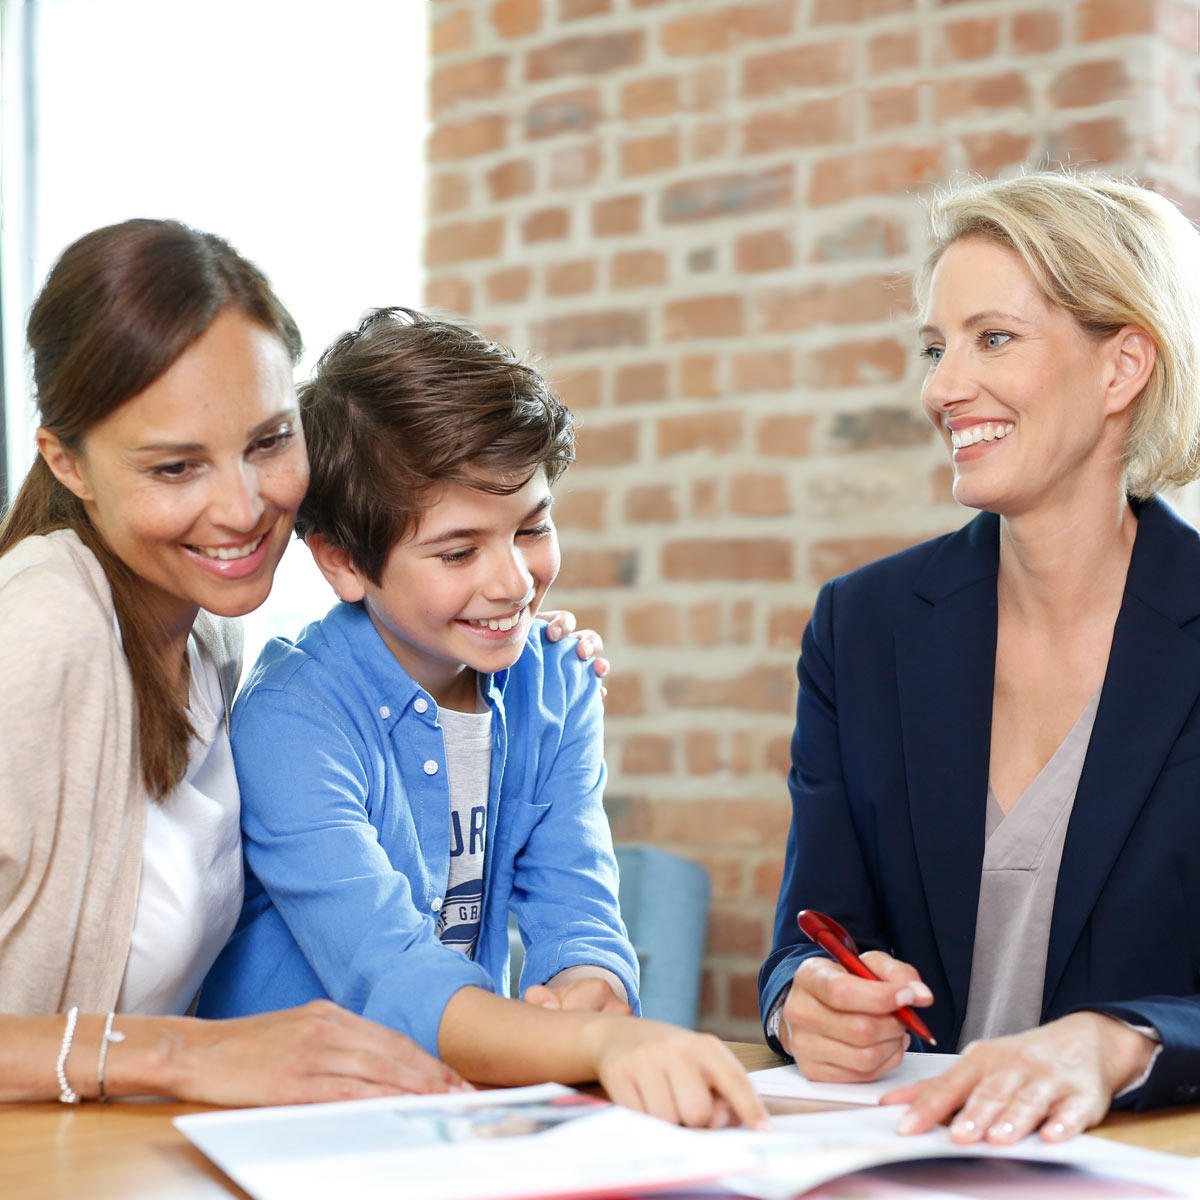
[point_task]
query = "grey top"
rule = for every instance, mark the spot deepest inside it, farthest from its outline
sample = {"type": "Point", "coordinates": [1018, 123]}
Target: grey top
{"type": "Point", "coordinates": [1016, 892]}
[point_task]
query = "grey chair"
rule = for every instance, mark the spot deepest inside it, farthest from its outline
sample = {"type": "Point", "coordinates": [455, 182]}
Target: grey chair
{"type": "Point", "coordinates": [664, 903]}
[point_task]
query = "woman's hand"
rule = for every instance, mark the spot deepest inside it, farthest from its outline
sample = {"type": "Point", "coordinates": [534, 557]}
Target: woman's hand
{"type": "Point", "coordinates": [674, 1074]}
{"type": "Point", "coordinates": [580, 989]}
{"type": "Point", "coordinates": [560, 623]}
{"type": "Point", "coordinates": [1060, 1077]}
{"type": "Point", "coordinates": [317, 1052]}
{"type": "Point", "coordinates": [843, 1029]}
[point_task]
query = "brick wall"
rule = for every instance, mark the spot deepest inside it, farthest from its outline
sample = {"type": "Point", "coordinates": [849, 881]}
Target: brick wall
{"type": "Point", "coordinates": [702, 217]}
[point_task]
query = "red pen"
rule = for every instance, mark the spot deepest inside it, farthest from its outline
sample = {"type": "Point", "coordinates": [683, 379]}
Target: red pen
{"type": "Point", "coordinates": [834, 940]}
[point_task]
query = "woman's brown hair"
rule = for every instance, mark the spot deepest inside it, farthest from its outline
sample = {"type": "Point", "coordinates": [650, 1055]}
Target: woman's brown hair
{"type": "Point", "coordinates": [117, 309]}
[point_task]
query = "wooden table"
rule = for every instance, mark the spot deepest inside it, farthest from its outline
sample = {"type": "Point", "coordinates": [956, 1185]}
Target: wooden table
{"type": "Point", "coordinates": [131, 1151]}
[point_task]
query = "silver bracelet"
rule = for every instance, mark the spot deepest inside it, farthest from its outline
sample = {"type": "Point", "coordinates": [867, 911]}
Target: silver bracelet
{"type": "Point", "coordinates": [66, 1094]}
{"type": "Point", "coordinates": [108, 1037]}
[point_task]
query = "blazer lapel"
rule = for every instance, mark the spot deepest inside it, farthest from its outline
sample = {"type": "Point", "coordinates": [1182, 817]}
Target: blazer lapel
{"type": "Point", "coordinates": [945, 663]}
{"type": "Point", "coordinates": [1150, 687]}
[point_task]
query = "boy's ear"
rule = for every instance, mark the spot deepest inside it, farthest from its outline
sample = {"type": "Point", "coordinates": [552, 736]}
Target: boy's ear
{"type": "Point", "coordinates": [336, 565]}
{"type": "Point", "coordinates": [63, 463]}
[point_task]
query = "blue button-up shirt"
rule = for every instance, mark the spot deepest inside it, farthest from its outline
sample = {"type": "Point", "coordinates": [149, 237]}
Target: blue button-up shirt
{"type": "Point", "coordinates": [346, 824]}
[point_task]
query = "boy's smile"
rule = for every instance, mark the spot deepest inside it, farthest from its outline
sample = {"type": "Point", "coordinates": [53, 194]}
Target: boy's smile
{"type": "Point", "coordinates": [458, 595]}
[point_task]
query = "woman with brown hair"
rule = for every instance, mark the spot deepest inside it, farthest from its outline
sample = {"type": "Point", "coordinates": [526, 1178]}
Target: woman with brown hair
{"type": "Point", "coordinates": [171, 464]}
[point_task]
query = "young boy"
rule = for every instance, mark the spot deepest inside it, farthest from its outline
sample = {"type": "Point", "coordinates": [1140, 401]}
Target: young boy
{"type": "Point", "coordinates": [423, 759]}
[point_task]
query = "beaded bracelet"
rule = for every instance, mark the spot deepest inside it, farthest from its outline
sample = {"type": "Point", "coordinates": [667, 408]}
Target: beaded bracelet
{"type": "Point", "coordinates": [108, 1037]}
{"type": "Point", "coordinates": [66, 1094]}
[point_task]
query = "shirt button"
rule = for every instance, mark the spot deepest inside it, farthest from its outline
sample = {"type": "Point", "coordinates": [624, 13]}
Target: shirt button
{"type": "Point", "coordinates": [430, 767]}
{"type": "Point", "coordinates": [436, 904]}
{"type": "Point", "coordinates": [420, 704]}
{"type": "Point", "coordinates": [384, 711]}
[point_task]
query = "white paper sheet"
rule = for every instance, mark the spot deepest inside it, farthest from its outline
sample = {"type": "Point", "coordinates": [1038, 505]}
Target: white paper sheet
{"type": "Point", "coordinates": [787, 1081]}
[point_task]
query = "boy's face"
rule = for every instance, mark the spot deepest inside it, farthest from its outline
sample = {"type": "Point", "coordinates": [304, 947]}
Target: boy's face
{"type": "Point", "coordinates": [462, 589]}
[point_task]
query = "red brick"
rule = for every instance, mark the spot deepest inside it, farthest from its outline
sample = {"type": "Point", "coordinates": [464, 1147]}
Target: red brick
{"type": "Point", "coordinates": [709, 139]}
{"type": "Point", "coordinates": [736, 932]}
{"type": "Point", "coordinates": [1036, 32]}
{"type": "Point", "coordinates": [653, 625]}
{"type": "Point", "coordinates": [970, 39]}
{"type": "Point", "coordinates": [652, 504]}
{"type": "Point", "coordinates": [887, 52]}
{"type": "Point", "coordinates": [584, 55]}
{"type": "Point", "coordinates": [704, 500]}
{"type": "Point", "coordinates": [777, 755]}
{"type": "Point", "coordinates": [642, 156]}
{"type": "Point", "coordinates": [814, 64]}
{"type": "Point", "coordinates": [639, 268]}
{"type": "Point", "coordinates": [516, 18]}
{"type": "Point", "coordinates": [741, 629]}
{"type": "Point", "coordinates": [648, 754]}
{"type": "Point", "coordinates": [770, 250]}
{"type": "Point", "coordinates": [598, 569]}
{"type": "Point", "coordinates": [743, 992]}
{"type": "Point", "coordinates": [591, 331]}
{"type": "Point", "coordinates": [767, 877]}
{"type": "Point", "coordinates": [607, 445]}
{"type": "Point", "coordinates": [1089, 83]}
{"type": "Point", "coordinates": [546, 224]}
{"type": "Point", "coordinates": [508, 286]}
{"type": "Point", "coordinates": [575, 166]}
{"type": "Point", "coordinates": [854, 12]}
{"type": "Point", "coordinates": [959, 97]}
{"type": "Point", "coordinates": [449, 191]}
{"type": "Point", "coordinates": [657, 96]}
{"type": "Point", "coordinates": [464, 240]}
{"type": "Point", "coordinates": [760, 689]}
{"type": "Point", "coordinates": [762, 371]}
{"type": "Point", "coordinates": [724, 872]}
{"type": "Point", "coordinates": [872, 298]}
{"type": "Point", "coordinates": [704, 624]}
{"type": "Point", "coordinates": [617, 215]}
{"type": "Point", "coordinates": [789, 435]}
{"type": "Point", "coordinates": [465, 139]}
{"type": "Point", "coordinates": [862, 237]}
{"type": "Point", "coordinates": [989, 153]}
{"type": "Point", "coordinates": [759, 495]}
{"type": "Point", "coordinates": [641, 383]}
{"type": "Point", "coordinates": [577, 10]}
{"type": "Point", "coordinates": [1101, 140]}
{"type": "Point", "coordinates": [880, 427]}
{"type": "Point", "coordinates": [510, 179]}
{"type": "Point", "coordinates": [867, 172]}
{"type": "Point", "coordinates": [581, 389]}
{"type": "Point", "coordinates": [449, 292]}
{"type": "Point", "coordinates": [740, 559]}
{"type": "Point", "coordinates": [717, 432]}
{"type": "Point", "coordinates": [811, 123]}
{"type": "Point", "coordinates": [704, 316]}
{"type": "Point", "coordinates": [718, 30]}
{"type": "Point", "coordinates": [475, 79]}
{"type": "Point", "coordinates": [567, 112]}
{"type": "Point", "coordinates": [857, 364]}
{"type": "Point", "coordinates": [708, 88]}
{"type": "Point", "coordinates": [892, 108]}
{"type": "Point", "coordinates": [698, 376]}
{"type": "Point", "coordinates": [1096, 20]}
{"type": "Point", "coordinates": [571, 278]}
{"type": "Point", "coordinates": [785, 626]}
{"type": "Point", "coordinates": [451, 33]}
{"type": "Point", "coordinates": [701, 753]}
{"type": "Point", "coordinates": [626, 695]}
{"type": "Point", "coordinates": [730, 194]}
{"type": "Point", "coordinates": [839, 555]}
{"type": "Point", "coordinates": [580, 509]}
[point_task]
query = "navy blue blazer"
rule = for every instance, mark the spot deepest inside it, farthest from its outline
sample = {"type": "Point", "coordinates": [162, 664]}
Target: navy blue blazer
{"type": "Point", "coordinates": [889, 788]}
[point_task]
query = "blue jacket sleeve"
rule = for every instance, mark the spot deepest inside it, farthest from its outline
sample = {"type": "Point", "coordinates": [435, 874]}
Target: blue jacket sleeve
{"type": "Point", "coordinates": [565, 877]}
{"type": "Point", "coordinates": [306, 780]}
{"type": "Point", "coordinates": [823, 867]}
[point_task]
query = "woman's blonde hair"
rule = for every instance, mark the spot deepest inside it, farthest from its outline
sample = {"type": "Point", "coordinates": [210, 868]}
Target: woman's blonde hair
{"type": "Point", "coordinates": [1112, 254]}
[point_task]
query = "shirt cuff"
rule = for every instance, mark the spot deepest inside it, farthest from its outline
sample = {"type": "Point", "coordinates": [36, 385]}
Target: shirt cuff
{"type": "Point", "coordinates": [775, 1013]}
{"type": "Point", "coordinates": [1153, 1034]}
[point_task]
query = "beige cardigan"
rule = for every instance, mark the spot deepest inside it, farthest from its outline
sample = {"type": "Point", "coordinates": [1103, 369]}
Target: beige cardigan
{"type": "Point", "coordinates": [72, 803]}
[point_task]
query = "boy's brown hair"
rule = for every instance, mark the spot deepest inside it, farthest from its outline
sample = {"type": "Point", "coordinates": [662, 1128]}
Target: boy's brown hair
{"type": "Point", "coordinates": [406, 402]}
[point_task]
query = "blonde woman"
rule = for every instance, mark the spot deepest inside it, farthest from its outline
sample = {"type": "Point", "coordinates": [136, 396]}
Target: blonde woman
{"type": "Point", "coordinates": [996, 760]}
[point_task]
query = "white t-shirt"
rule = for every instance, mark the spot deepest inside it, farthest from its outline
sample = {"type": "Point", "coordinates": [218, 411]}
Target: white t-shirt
{"type": "Point", "coordinates": [191, 886]}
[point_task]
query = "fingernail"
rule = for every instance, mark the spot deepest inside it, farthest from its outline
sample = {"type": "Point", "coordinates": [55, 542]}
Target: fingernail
{"type": "Point", "coordinates": [1002, 1129]}
{"type": "Point", "coordinates": [553, 632]}
{"type": "Point", "coordinates": [904, 997]}
{"type": "Point", "coordinates": [1057, 1131]}
{"type": "Point", "coordinates": [963, 1125]}
{"type": "Point", "coordinates": [763, 1124]}
{"type": "Point", "coordinates": [908, 1123]}
{"type": "Point", "coordinates": [921, 992]}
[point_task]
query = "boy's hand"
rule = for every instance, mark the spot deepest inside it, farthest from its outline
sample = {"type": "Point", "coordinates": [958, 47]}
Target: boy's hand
{"type": "Point", "coordinates": [573, 990]}
{"type": "Point", "coordinates": [560, 623]}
